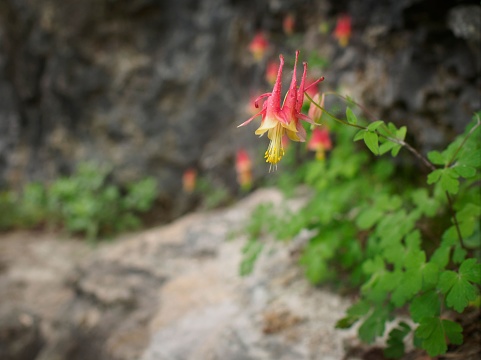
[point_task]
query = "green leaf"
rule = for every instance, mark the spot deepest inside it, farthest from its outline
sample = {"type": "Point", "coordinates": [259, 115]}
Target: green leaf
{"type": "Point", "coordinates": [351, 117]}
{"type": "Point", "coordinates": [433, 331]}
{"type": "Point", "coordinates": [425, 305]}
{"type": "Point", "coordinates": [412, 279]}
{"type": "Point", "coordinates": [470, 269]}
{"type": "Point", "coordinates": [372, 142]}
{"type": "Point", "coordinates": [251, 252]}
{"type": "Point", "coordinates": [346, 322]}
{"type": "Point", "coordinates": [449, 184]}
{"type": "Point", "coordinates": [471, 158]}
{"type": "Point", "coordinates": [440, 256]}
{"type": "Point", "coordinates": [465, 171]}
{"type": "Point", "coordinates": [453, 331]}
{"type": "Point", "coordinates": [424, 203]}
{"type": "Point", "coordinates": [401, 133]}
{"type": "Point", "coordinates": [459, 255]}
{"type": "Point", "coordinates": [374, 125]}
{"type": "Point", "coordinates": [436, 158]}
{"type": "Point", "coordinates": [434, 176]}
{"type": "Point", "coordinates": [360, 308]}
{"type": "Point", "coordinates": [368, 217]}
{"type": "Point", "coordinates": [374, 325]}
{"type": "Point", "coordinates": [359, 135]}
{"type": "Point", "coordinates": [314, 258]}
{"type": "Point", "coordinates": [354, 313]}
{"type": "Point", "coordinates": [385, 147]}
{"type": "Point", "coordinates": [381, 280]}
{"type": "Point", "coordinates": [395, 150]}
{"type": "Point", "coordinates": [457, 286]}
{"type": "Point", "coordinates": [468, 219]}
{"type": "Point", "coordinates": [395, 341]}
{"type": "Point", "coordinates": [430, 272]}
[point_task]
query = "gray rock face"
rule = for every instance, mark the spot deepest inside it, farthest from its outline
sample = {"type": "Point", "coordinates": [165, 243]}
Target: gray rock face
{"type": "Point", "coordinates": [154, 87]}
{"type": "Point", "coordinates": [172, 292]}
{"type": "Point", "coordinates": [116, 80]}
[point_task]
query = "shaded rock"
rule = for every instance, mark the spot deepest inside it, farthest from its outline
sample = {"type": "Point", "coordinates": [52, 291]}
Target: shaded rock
{"type": "Point", "coordinates": [20, 336]}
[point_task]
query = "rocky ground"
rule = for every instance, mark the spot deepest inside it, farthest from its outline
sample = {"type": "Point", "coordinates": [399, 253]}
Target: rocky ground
{"type": "Point", "coordinates": [171, 292]}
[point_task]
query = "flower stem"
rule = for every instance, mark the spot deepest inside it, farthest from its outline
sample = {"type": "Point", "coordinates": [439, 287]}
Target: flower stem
{"type": "Point", "coordinates": [332, 116]}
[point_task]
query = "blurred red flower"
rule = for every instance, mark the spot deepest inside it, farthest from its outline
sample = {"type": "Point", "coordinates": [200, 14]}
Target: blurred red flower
{"type": "Point", "coordinates": [288, 24]}
{"type": "Point", "coordinates": [189, 179]}
{"type": "Point", "coordinates": [320, 142]}
{"type": "Point", "coordinates": [342, 32]}
{"type": "Point", "coordinates": [243, 166]}
{"type": "Point", "coordinates": [258, 46]}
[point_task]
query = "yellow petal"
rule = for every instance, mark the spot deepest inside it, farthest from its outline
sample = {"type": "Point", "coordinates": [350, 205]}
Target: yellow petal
{"type": "Point", "coordinates": [292, 135]}
{"type": "Point", "coordinates": [268, 123]}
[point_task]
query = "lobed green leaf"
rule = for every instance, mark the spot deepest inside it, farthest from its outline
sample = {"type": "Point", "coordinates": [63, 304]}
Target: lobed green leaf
{"type": "Point", "coordinates": [425, 305]}
{"type": "Point", "coordinates": [436, 158]}
{"type": "Point", "coordinates": [457, 286]}
{"type": "Point", "coordinates": [395, 342]}
{"type": "Point", "coordinates": [433, 331]}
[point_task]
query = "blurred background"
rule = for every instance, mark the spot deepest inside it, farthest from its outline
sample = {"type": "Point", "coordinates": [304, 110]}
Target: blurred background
{"type": "Point", "coordinates": [117, 114]}
{"type": "Point", "coordinates": [154, 88]}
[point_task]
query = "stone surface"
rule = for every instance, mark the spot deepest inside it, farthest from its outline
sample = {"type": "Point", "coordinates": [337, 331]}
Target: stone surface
{"type": "Point", "coordinates": [171, 292]}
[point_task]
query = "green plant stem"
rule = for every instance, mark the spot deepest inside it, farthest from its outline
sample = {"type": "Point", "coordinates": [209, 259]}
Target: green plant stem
{"type": "Point", "coordinates": [468, 135]}
{"type": "Point", "coordinates": [455, 219]}
{"type": "Point", "coordinates": [346, 99]}
{"type": "Point", "coordinates": [334, 117]}
{"type": "Point", "coordinates": [394, 140]}
{"type": "Point", "coordinates": [448, 164]}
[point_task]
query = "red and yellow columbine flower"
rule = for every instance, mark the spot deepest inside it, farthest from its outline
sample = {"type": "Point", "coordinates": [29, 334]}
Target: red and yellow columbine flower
{"type": "Point", "coordinates": [320, 142]}
{"type": "Point", "coordinates": [342, 32]}
{"type": "Point", "coordinates": [258, 46]}
{"type": "Point", "coordinates": [243, 166]}
{"type": "Point", "coordinates": [278, 121]}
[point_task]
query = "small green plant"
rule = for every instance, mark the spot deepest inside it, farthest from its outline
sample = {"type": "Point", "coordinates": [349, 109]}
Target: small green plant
{"type": "Point", "coordinates": [407, 245]}
{"type": "Point", "coordinates": [84, 203]}
{"type": "Point", "coordinates": [213, 195]}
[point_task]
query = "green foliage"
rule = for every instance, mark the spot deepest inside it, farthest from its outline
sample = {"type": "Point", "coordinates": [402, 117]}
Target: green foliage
{"type": "Point", "coordinates": [395, 342]}
{"type": "Point", "coordinates": [213, 195]}
{"type": "Point", "coordinates": [398, 241]}
{"type": "Point", "coordinates": [84, 203]}
{"type": "Point", "coordinates": [434, 331]}
{"type": "Point", "coordinates": [458, 286]}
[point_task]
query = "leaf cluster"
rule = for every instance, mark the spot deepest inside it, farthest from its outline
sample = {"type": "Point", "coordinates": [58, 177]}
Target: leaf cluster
{"type": "Point", "coordinates": [84, 203]}
{"type": "Point", "coordinates": [404, 245]}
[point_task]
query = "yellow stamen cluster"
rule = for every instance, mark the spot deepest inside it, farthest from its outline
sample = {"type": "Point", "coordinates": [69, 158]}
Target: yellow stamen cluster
{"type": "Point", "coordinates": [275, 151]}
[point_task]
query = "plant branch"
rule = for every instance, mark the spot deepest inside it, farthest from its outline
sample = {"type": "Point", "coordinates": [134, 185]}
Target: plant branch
{"type": "Point", "coordinates": [332, 116]}
{"type": "Point", "coordinates": [395, 140]}
{"type": "Point", "coordinates": [455, 219]}
{"type": "Point", "coordinates": [468, 135]}
{"type": "Point", "coordinates": [346, 99]}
